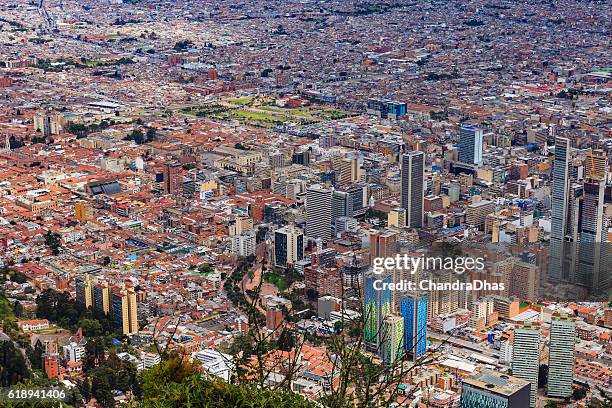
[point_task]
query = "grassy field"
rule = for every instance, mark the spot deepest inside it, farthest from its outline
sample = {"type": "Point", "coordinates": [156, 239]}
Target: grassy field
{"type": "Point", "coordinates": [241, 101]}
{"type": "Point", "coordinates": [277, 280]}
{"type": "Point", "coordinates": [311, 113]}
{"type": "Point", "coordinates": [257, 112]}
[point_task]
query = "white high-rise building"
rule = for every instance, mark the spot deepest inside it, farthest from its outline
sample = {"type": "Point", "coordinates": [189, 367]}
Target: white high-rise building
{"type": "Point", "coordinates": [319, 212]}
{"type": "Point", "coordinates": [288, 246]}
{"type": "Point", "coordinates": [526, 356]}
{"type": "Point", "coordinates": [558, 268]}
{"type": "Point", "coordinates": [470, 144]}
{"type": "Point", "coordinates": [244, 244]}
{"type": "Point", "coordinates": [561, 357]}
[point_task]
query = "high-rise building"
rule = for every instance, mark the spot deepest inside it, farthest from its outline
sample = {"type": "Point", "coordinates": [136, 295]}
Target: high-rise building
{"type": "Point", "coordinates": [391, 343]}
{"type": "Point", "coordinates": [470, 144]}
{"type": "Point", "coordinates": [170, 177]}
{"type": "Point", "coordinates": [240, 225]}
{"type": "Point", "coordinates": [49, 123]}
{"type": "Point", "coordinates": [412, 194]}
{"type": "Point", "coordinates": [84, 290]}
{"type": "Point", "coordinates": [302, 157]}
{"type": "Point", "coordinates": [377, 307]}
{"type": "Point", "coordinates": [596, 165]}
{"type": "Point", "coordinates": [383, 244]}
{"type": "Point", "coordinates": [558, 270]}
{"type": "Point", "coordinates": [523, 283]}
{"type": "Point", "coordinates": [274, 317]}
{"type": "Point", "coordinates": [491, 389]}
{"type": "Point", "coordinates": [561, 357]}
{"type": "Point", "coordinates": [349, 201]}
{"type": "Point", "coordinates": [244, 244]}
{"type": "Point", "coordinates": [288, 246]}
{"type": "Point", "coordinates": [347, 170]}
{"type": "Point", "coordinates": [124, 311]}
{"type": "Point", "coordinates": [476, 213]}
{"type": "Point", "coordinates": [414, 313]}
{"type": "Point", "coordinates": [526, 356]}
{"type": "Point", "coordinates": [318, 212]}
{"type": "Point", "coordinates": [593, 270]}
{"type": "Point", "coordinates": [101, 297]}
{"type": "Point", "coordinates": [397, 218]}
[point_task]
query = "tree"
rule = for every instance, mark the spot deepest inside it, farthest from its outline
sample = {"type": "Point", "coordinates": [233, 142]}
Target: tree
{"type": "Point", "coordinates": [13, 367]}
{"type": "Point", "coordinates": [183, 45]}
{"type": "Point", "coordinates": [205, 269]}
{"type": "Point", "coordinates": [151, 134]}
{"type": "Point", "coordinates": [91, 327]}
{"type": "Point", "coordinates": [579, 393]}
{"type": "Point", "coordinates": [18, 309]}
{"type": "Point", "coordinates": [209, 393]}
{"type": "Point", "coordinates": [53, 241]}
{"type": "Point", "coordinates": [137, 136]}
{"type": "Point", "coordinates": [35, 355]}
{"type": "Point", "coordinates": [543, 376]}
{"type": "Point", "coordinates": [101, 390]}
{"type": "Point", "coordinates": [551, 404]}
{"type": "Point", "coordinates": [18, 277]}
{"type": "Point", "coordinates": [171, 371]}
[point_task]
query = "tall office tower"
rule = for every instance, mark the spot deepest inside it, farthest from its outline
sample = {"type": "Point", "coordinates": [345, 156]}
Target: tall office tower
{"type": "Point", "coordinates": [523, 283]}
{"type": "Point", "coordinates": [347, 170]}
{"type": "Point", "coordinates": [125, 313]}
{"type": "Point", "coordinates": [349, 201]}
{"type": "Point", "coordinates": [84, 290]}
{"type": "Point", "coordinates": [557, 269]}
{"type": "Point", "coordinates": [48, 123]}
{"type": "Point", "coordinates": [397, 218]}
{"type": "Point", "coordinates": [470, 144]}
{"type": "Point", "coordinates": [288, 246]}
{"type": "Point", "coordinates": [526, 356]}
{"type": "Point", "coordinates": [318, 212]}
{"type": "Point", "coordinates": [442, 302]}
{"type": "Point", "coordinates": [170, 176]}
{"type": "Point", "coordinates": [377, 307]}
{"type": "Point", "coordinates": [101, 297]}
{"type": "Point", "coordinates": [592, 263]}
{"type": "Point", "coordinates": [240, 225]}
{"type": "Point", "coordinates": [302, 157]}
{"type": "Point", "coordinates": [244, 244]}
{"type": "Point", "coordinates": [414, 312]}
{"type": "Point", "coordinates": [594, 259]}
{"type": "Point", "coordinates": [561, 357]}
{"type": "Point", "coordinates": [412, 195]}
{"type": "Point", "coordinates": [488, 389]}
{"type": "Point", "coordinates": [391, 344]}
{"type": "Point", "coordinates": [352, 275]}
{"type": "Point", "coordinates": [596, 165]}
{"type": "Point", "coordinates": [277, 160]}
{"type": "Point", "coordinates": [383, 244]}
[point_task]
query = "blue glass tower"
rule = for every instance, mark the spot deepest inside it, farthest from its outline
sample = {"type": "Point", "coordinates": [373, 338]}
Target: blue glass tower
{"type": "Point", "coordinates": [414, 312]}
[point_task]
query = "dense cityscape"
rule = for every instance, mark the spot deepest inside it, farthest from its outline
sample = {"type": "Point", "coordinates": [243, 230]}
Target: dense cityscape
{"type": "Point", "coordinates": [305, 203]}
